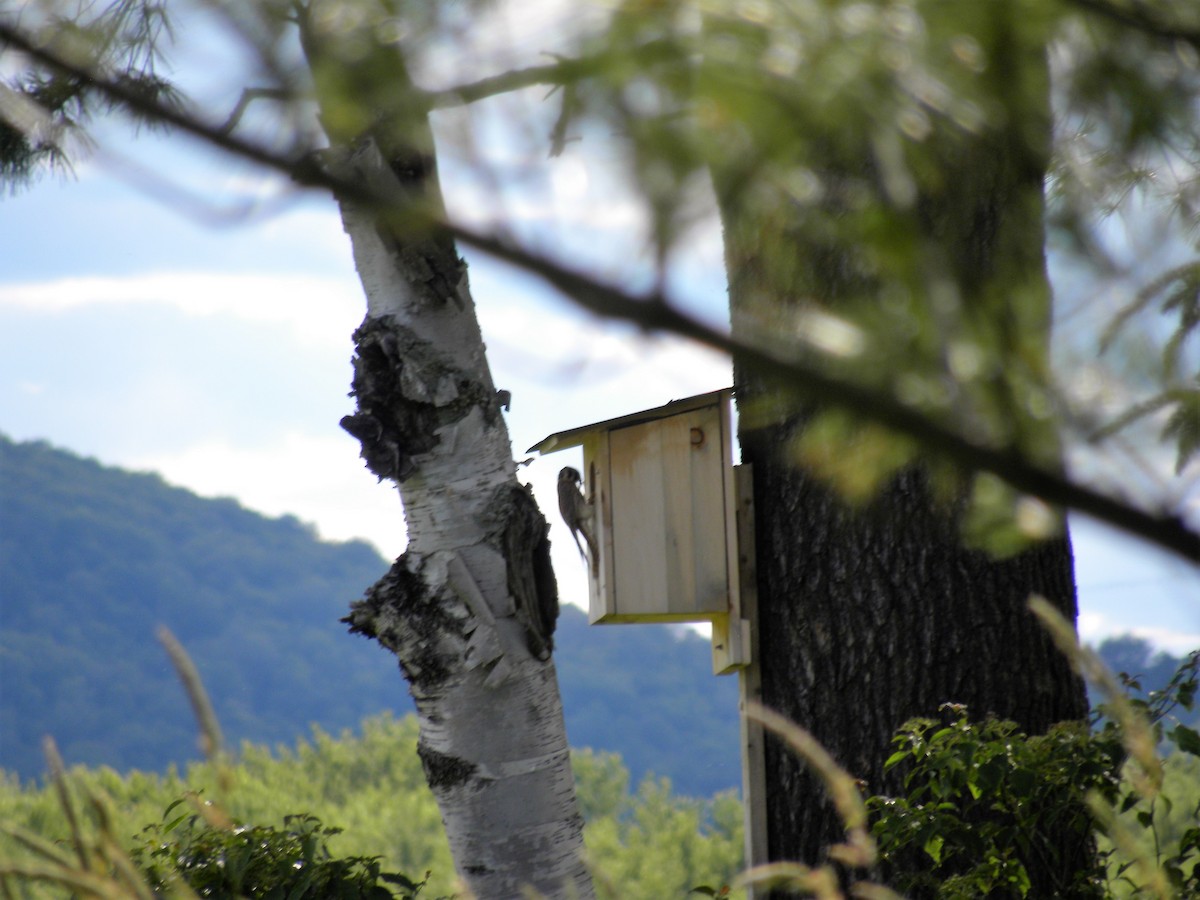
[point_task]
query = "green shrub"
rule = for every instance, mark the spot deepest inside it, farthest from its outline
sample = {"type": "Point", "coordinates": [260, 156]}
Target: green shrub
{"type": "Point", "coordinates": [985, 804]}
{"type": "Point", "coordinates": [261, 861]}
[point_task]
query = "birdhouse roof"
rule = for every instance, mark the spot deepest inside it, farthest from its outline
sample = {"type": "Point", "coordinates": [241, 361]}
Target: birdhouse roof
{"type": "Point", "coordinates": [574, 437]}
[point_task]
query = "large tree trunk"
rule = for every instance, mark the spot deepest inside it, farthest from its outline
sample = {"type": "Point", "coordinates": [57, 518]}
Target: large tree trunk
{"type": "Point", "coordinates": [469, 609]}
{"type": "Point", "coordinates": [871, 615]}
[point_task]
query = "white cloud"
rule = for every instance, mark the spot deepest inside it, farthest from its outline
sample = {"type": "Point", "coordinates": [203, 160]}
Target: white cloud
{"type": "Point", "coordinates": [321, 481]}
{"type": "Point", "coordinates": [1095, 627]}
{"type": "Point", "coordinates": [318, 479]}
{"type": "Point", "coordinates": [502, 36]}
{"type": "Point", "coordinates": [1174, 642]}
{"type": "Point", "coordinates": [314, 310]}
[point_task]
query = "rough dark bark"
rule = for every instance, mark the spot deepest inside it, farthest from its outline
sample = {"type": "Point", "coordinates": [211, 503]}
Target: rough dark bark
{"type": "Point", "coordinates": [870, 616]}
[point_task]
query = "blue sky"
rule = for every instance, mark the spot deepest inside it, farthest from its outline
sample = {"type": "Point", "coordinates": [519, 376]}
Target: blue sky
{"type": "Point", "coordinates": [140, 327]}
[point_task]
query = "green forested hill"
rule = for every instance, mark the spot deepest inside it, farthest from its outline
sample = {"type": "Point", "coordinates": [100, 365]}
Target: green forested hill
{"type": "Point", "coordinates": [93, 559]}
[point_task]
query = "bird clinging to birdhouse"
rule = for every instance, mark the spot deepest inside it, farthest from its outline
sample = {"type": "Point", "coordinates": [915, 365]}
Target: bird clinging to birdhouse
{"type": "Point", "coordinates": [577, 512]}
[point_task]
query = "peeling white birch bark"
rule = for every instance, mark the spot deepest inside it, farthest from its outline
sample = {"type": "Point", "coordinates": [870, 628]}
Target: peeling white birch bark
{"type": "Point", "coordinates": [465, 608]}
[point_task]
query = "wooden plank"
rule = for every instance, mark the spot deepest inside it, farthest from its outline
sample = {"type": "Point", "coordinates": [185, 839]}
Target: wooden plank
{"type": "Point", "coordinates": [707, 513]}
{"type": "Point", "coordinates": [598, 479]}
{"type": "Point", "coordinates": [667, 515]}
{"type": "Point", "coordinates": [754, 770]}
{"type": "Point", "coordinates": [677, 475]}
{"type": "Point", "coordinates": [575, 436]}
{"type": "Point", "coordinates": [729, 488]}
{"type": "Point", "coordinates": [640, 543]}
{"type": "Point", "coordinates": [730, 644]}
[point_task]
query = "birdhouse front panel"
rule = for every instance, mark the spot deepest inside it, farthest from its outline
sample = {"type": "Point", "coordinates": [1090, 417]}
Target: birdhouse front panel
{"type": "Point", "coordinates": [666, 519]}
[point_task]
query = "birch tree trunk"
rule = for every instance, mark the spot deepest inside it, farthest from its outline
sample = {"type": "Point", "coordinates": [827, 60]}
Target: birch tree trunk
{"type": "Point", "coordinates": [469, 609]}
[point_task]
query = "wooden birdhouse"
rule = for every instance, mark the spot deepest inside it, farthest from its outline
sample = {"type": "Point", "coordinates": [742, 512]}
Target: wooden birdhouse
{"type": "Point", "coordinates": [663, 501]}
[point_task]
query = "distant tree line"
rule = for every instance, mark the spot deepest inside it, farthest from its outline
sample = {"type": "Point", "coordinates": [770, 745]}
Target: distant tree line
{"type": "Point", "coordinates": [643, 839]}
{"type": "Point", "coordinates": [94, 558]}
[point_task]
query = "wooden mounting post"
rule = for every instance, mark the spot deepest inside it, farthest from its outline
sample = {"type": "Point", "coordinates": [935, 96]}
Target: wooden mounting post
{"type": "Point", "coordinates": [754, 775]}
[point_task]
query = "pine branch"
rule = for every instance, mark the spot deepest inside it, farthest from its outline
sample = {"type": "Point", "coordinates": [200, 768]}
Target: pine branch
{"type": "Point", "coordinates": [174, 115]}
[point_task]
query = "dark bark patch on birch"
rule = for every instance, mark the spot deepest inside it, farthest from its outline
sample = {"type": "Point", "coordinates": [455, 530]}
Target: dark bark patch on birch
{"type": "Point", "coordinates": [428, 261]}
{"type": "Point", "coordinates": [524, 541]}
{"type": "Point", "coordinates": [405, 393]}
{"type": "Point", "coordinates": [403, 177]}
{"type": "Point", "coordinates": [411, 167]}
{"type": "Point", "coordinates": [391, 425]}
{"type": "Point", "coordinates": [442, 771]}
{"type": "Point", "coordinates": [433, 270]}
{"type": "Point", "coordinates": [409, 618]}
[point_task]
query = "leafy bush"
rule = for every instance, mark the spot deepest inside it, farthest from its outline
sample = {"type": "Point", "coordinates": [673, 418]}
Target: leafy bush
{"type": "Point", "coordinates": [1151, 841]}
{"type": "Point", "coordinates": [288, 863]}
{"type": "Point", "coordinates": [981, 801]}
{"type": "Point", "coordinates": [981, 798]}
